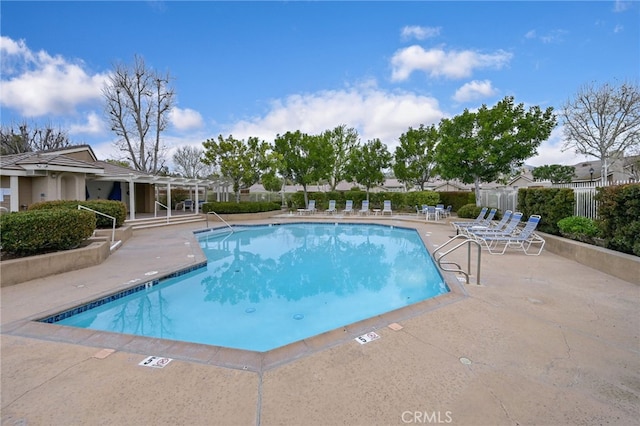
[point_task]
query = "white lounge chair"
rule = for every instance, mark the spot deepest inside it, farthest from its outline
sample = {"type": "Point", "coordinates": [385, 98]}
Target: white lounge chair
{"type": "Point", "coordinates": [365, 207]}
{"type": "Point", "coordinates": [499, 227]}
{"type": "Point", "coordinates": [479, 221]}
{"type": "Point", "coordinates": [311, 208]}
{"type": "Point", "coordinates": [348, 208]}
{"type": "Point", "coordinates": [332, 207]}
{"type": "Point", "coordinates": [522, 240]}
{"type": "Point", "coordinates": [386, 208]}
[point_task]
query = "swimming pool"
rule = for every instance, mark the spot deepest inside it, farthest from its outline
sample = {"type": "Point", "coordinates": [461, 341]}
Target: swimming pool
{"type": "Point", "coordinates": [270, 285]}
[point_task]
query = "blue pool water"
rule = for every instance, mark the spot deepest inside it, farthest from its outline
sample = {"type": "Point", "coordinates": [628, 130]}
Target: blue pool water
{"type": "Point", "coordinates": [267, 286]}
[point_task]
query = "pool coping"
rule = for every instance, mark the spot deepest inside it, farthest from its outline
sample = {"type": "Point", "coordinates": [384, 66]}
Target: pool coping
{"type": "Point", "coordinates": [229, 357]}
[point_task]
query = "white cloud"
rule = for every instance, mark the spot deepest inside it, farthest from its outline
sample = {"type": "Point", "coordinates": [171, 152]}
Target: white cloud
{"type": "Point", "coordinates": [185, 119]}
{"type": "Point", "coordinates": [552, 36]}
{"type": "Point", "coordinates": [94, 125]}
{"type": "Point", "coordinates": [419, 33]}
{"type": "Point", "coordinates": [621, 6]}
{"type": "Point", "coordinates": [474, 90]}
{"type": "Point", "coordinates": [618, 28]}
{"type": "Point", "coordinates": [373, 112]}
{"type": "Point", "coordinates": [440, 63]}
{"type": "Point", "coordinates": [38, 84]}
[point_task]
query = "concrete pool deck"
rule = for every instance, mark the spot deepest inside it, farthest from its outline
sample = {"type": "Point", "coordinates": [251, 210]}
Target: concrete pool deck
{"type": "Point", "coordinates": [543, 340]}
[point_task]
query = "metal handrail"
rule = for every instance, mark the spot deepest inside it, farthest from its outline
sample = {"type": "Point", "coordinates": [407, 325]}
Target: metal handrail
{"type": "Point", "coordinates": [218, 216]}
{"type": "Point", "coordinates": [469, 242]}
{"type": "Point", "coordinates": [113, 230]}
{"type": "Point", "coordinates": [155, 209]}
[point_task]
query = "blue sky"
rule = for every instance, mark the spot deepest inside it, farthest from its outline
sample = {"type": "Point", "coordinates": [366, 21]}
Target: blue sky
{"type": "Point", "coordinates": [263, 68]}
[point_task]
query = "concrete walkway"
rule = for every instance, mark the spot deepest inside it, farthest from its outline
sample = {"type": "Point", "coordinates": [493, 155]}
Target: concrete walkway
{"type": "Point", "coordinates": [542, 341]}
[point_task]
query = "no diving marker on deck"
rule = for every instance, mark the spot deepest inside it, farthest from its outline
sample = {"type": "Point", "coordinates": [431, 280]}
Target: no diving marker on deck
{"type": "Point", "coordinates": [366, 338]}
{"type": "Point", "coordinates": [155, 362]}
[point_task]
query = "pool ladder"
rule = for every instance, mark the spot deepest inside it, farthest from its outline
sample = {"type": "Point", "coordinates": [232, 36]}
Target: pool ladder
{"type": "Point", "coordinates": [469, 242]}
{"type": "Point", "coordinates": [221, 219]}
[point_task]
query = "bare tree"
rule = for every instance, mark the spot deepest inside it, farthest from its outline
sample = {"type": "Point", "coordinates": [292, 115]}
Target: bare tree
{"type": "Point", "coordinates": [188, 162]}
{"type": "Point", "coordinates": [138, 101]}
{"type": "Point", "coordinates": [603, 122]}
{"type": "Point", "coordinates": [23, 139]}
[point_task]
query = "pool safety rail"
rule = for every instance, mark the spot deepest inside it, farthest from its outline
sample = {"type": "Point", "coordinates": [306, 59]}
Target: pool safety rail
{"type": "Point", "coordinates": [113, 219]}
{"type": "Point", "coordinates": [155, 209]}
{"type": "Point", "coordinates": [221, 219]}
{"type": "Point", "coordinates": [469, 242]}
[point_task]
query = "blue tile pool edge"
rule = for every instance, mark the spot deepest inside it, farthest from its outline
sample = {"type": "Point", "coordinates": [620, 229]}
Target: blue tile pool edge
{"type": "Point", "coordinates": [52, 319]}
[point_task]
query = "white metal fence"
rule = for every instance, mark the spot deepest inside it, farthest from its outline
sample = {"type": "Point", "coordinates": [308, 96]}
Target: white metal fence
{"type": "Point", "coordinates": [584, 193]}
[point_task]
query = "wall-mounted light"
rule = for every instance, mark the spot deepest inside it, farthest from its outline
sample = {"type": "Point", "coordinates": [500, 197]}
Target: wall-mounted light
{"type": "Point", "coordinates": [54, 175]}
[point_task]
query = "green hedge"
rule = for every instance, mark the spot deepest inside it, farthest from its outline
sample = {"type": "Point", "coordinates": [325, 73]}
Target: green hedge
{"type": "Point", "coordinates": [579, 228]}
{"type": "Point", "coordinates": [552, 204]}
{"type": "Point", "coordinates": [457, 199]}
{"type": "Point", "coordinates": [112, 208]}
{"type": "Point", "coordinates": [42, 231]}
{"type": "Point", "coordinates": [471, 211]}
{"type": "Point", "coordinates": [243, 207]}
{"type": "Point", "coordinates": [400, 201]}
{"type": "Point", "coordinates": [619, 217]}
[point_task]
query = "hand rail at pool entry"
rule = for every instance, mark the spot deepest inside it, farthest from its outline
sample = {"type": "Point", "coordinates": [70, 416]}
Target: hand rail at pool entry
{"type": "Point", "coordinates": [155, 209]}
{"type": "Point", "coordinates": [113, 230]}
{"type": "Point", "coordinates": [218, 216]}
{"type": "Point", "coordinates": [467, 241]}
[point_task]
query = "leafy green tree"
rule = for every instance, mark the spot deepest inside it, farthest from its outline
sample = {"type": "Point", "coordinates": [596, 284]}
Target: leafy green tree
{"type": "Point", "coordinates": [415, 156]}
{"type": "Point", "coordinates": [481, 146]}
{"type": "Point", "coordinates": [367, 164]}
{"type": "Point", "coordinates": [603, 122]}
{"type": "Point", "coordinates": [239, 161]}
{"type": "Point", "coordinates": [305, 158]}
{"type": "Point", "coordinates": [556, 173]}
{"type": "Point", "coordinates": [343, 140]}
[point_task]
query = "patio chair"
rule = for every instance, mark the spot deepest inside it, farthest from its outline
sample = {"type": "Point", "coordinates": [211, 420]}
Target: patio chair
{"type": "Point", "coordinates": [332, 207]}
{"type": "Point", "coordinates": [348, 208]}
{"type": "Point", "coordinates": [509, 229]}
{"type": "Point", "coordinates": [479, 221]}
{"type": "Point", "coordinates": [491, 227]}
{"type": "Point", "coordinates": [311, 208]}
{"type": "Point", "coordinates": [365, 207]}
{"type": "Point", "coordinates": [522, 240]}
{"type": "Point", "coordinates": [386, 208]}
{"type": "Point", "coordinates": [431, 213]}
{"type": "Point", "coordinates": [187, 205]}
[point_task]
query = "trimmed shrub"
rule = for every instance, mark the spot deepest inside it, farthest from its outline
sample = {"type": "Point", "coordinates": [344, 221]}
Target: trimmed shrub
{"type": "Point", "coordinates": [619, 217]}
{"type": "Point", "coordinates": [418, 198]}
{"type": "Point", "coordinates": [552, 204]}
{"type": "Point", "coordinates": [457, 199]}
{"type": "Point", "coordinates": [41, 231]}
{"type": "Point", "coordinates": [112, 208]}
{"type": "Point", "coordinates": [579, 228]}
{"type": "Point", "coordinates": [243, 207]}
{"type": "Point", "coordinates": [469, 211]}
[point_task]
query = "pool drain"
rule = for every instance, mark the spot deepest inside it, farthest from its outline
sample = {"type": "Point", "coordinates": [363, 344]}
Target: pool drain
{"type": "Point", "coordinates": [298, 316]}
{"type": "Point", "coordinates": [250, 310]}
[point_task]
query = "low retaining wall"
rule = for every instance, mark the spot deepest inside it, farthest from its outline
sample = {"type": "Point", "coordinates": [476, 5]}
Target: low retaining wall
{"type": "Point", "coordinates": [122, 234]}
{"type": "Point", "coordinates": [15, 271]}
{"type": "Point", "coordinates": [243, 216]}
{"type": "Point", "coordinates": [620, 265]}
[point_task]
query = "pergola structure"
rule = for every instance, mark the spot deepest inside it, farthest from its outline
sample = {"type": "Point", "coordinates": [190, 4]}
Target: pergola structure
{"type": "Point", "coordinates": [74, 173]}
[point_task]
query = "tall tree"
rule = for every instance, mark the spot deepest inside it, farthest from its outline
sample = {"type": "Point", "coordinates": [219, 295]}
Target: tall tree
{"type": "Point", "coordinates": [305, 158]}
{"type": "Point", "coordinates": [368, 162]}
{"type": "Point", "coordinates": [415, 156]}
{"type": "Point", "coordinates": [556, 173]}
{"type": "Point", "coordinates": [188, 162]}
{"type": "Point", "coordinates": [23, 139]}
{"type": "Point", "coordinates": [481, 146]}
{"type": "Point", "coordinates": [343, 139]}
{"type": "Point", "coordinates": [239, 161]}
{"type": "Point", "coordinates": [603, 122]}
{"type": "Point", "coordinates": [138, 101]}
